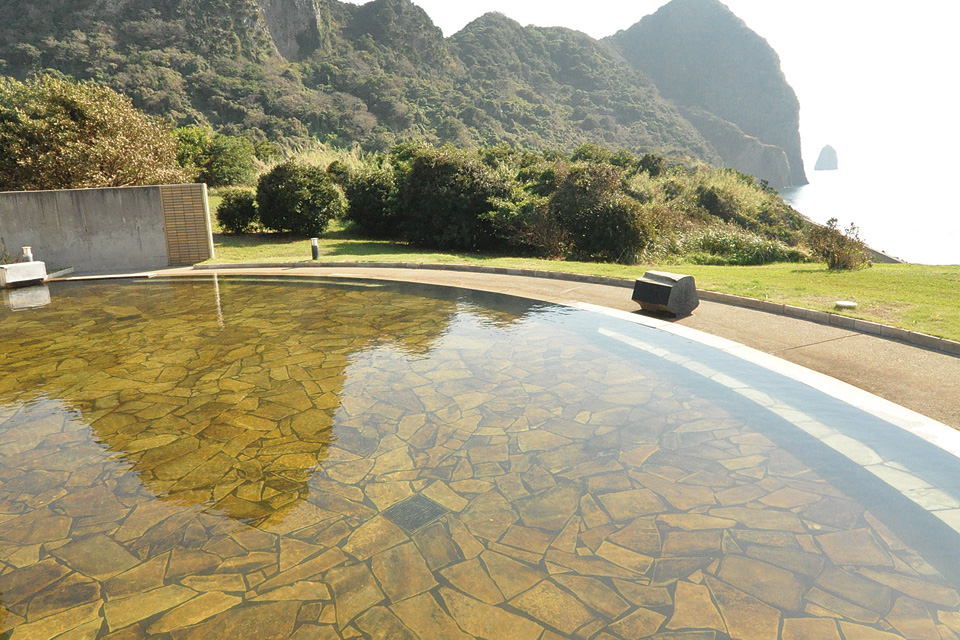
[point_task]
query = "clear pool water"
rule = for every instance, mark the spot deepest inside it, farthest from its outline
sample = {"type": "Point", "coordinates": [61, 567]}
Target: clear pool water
{"type": "Point", "coordinates": [302, 458]}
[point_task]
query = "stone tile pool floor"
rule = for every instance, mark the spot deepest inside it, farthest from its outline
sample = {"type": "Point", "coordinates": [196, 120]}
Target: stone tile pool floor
{"type": "Point", "coordinates": [264, 458]}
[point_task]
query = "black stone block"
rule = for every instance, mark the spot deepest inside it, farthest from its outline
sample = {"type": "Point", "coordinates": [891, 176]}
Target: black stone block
{"type": "Point", "coordinates": [670, 293]}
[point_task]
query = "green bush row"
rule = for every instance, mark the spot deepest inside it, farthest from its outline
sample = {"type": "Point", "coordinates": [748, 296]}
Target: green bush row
{"type": "Point", "coordinates": [592, 205]}
{"type": "Point", "coordinates": [497, 200]}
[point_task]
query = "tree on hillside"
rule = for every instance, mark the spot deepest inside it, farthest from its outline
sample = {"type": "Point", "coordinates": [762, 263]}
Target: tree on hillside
{"type": "Point", "coordinates": [220, 160]}
{"type": "Point", "coordinates": [57, 134]}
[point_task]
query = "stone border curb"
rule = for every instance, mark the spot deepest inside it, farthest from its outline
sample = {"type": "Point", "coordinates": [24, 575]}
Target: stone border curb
{"type": "Point", "coordinates": [926, 341]}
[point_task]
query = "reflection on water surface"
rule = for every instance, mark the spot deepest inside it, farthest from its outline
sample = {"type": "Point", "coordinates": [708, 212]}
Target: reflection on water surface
{"type": "Point", "coordinates": [293, 459]}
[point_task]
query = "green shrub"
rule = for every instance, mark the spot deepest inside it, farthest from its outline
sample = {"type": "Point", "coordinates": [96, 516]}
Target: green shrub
{"type": "Point", "coordinates": [237, 211]}
{"type": "Point", "coordinates": [266, 151]}
{"type": "Point", "coordinates": [730, 245]}
{"type": "Point", "coordinates": [731, 196]}
{"type": "Point", "coordinates": [444, 197]}
{"type": "Point", "coordinates": [339, 172]}
{"type": "Point", "coordinates": [592, 153]}
{"type": "Point", "coordinates": [298, 198]}
{"type": "Point", "coordinates": [220, 160]}
{"type": "Point", "coordinates": [505, 155]}
{"type": "Point", "coordinates": [718, 204]}
{"type": "Point", "coordinates": [602, 222]}
{"type": "Point", "coordinates": [544, 178]}
{"type": "Point", "coordinates": [840, 250]}
{"type": "Point", "coordinates": [192, 144]}
{"type": "Point", "coordinates": [404, 153]}
{"type": "Point", "coordinates": [625, 160]}
{"type": "Point", "coordinates": [653, 164]}
{"type": "Point", "coordinates": [526, 225]}
{"type": "Point", "coordinates": [230, 161]}
{"type": "Point", "coordinates": [613, 230]}
{"type": "Point", "coordinates": [371, 192]}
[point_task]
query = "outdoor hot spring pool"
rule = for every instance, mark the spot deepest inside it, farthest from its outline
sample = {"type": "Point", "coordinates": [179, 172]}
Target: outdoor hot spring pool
{"type": "Point", "coordinates": [305, 458]}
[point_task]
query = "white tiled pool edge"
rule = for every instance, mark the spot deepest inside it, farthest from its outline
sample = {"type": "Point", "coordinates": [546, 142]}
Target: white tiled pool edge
{"type": "Point", "coordinates": [914, 488]}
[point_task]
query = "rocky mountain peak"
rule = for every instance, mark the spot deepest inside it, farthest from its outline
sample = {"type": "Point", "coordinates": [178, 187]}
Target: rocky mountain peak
{"type": "Point", "coordinates": [701, 55]}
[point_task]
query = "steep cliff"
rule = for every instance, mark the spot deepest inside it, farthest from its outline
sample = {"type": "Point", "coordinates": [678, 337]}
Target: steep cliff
{"type": "Point", "coordinates": [62, 33]}
{"type": "Point", "coordinates": [402, 28]}
{"type": "Point", "coordinates": [567, 85]}
{"type": "Point", "coordinates": [700, 55]}
{"type": "Point", "coordinates": [298, 27]}
{"type": "Point", "coordinates": [741, 151]}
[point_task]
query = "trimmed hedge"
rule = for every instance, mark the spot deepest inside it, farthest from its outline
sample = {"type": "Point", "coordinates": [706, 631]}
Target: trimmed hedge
{"type": "Point", "coordinates": [237, 211]}
{"type": "Point", "coordinates": [298, 198]}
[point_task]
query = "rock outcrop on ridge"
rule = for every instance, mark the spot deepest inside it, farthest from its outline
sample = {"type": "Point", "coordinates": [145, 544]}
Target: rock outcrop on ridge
{"type": "Point", "coordinates": [702, 56]}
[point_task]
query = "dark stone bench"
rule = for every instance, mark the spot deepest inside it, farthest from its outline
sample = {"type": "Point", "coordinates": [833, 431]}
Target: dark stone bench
{"type": "Point", "coordinates": [669, 293]}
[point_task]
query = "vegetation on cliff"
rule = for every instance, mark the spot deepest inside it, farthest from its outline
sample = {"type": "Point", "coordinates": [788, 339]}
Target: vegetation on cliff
{"type": "Point", "coordinates": [703, 57]}
{"type": "Point", "coordinates": [593, 205]}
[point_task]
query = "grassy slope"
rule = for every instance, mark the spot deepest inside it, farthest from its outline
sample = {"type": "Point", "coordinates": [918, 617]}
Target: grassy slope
{"type": "Point", "coordinates": [916, 297]}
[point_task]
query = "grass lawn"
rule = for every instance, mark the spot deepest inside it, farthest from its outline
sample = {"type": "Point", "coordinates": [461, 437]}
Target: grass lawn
{"type": "Point", "coordinates": [916, 297]}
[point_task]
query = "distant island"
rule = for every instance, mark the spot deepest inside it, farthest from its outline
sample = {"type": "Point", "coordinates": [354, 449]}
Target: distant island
{"type": "Point", "coordinates": [827, 160]}
{"type": "Point", "coordinates": [690, 82]}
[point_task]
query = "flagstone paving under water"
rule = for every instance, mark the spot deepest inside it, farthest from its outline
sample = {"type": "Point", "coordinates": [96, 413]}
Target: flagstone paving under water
{"type": "Point", "coordinates": [236, 458]}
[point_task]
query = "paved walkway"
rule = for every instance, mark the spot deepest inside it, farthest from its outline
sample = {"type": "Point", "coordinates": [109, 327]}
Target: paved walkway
{"type": "Point", "coordinates": [927, 382]}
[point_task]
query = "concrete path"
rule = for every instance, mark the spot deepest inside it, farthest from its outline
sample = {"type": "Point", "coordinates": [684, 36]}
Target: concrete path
{"type": "Point", "coordinates": [927, 382]}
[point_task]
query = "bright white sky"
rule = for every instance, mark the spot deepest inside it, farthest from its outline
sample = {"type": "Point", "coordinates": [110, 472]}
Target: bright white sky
{"type": "Point", "coordinates": [873, 78]}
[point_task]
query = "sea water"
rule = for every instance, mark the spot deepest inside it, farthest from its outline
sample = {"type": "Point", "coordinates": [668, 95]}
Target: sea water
{"type": "Point", "coordinates": [912, 217]}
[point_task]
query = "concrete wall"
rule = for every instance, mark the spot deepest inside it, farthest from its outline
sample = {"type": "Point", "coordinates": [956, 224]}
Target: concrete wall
{"type": "Point", "coordinates": [109, 230]}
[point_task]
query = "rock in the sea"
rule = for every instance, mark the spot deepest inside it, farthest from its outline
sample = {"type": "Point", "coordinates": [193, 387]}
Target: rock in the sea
{"type": "Point", "coordinates": [827, 160]}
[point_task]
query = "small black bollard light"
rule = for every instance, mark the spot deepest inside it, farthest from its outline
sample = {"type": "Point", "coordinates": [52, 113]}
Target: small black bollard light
{"type": "Point", "coordinates": [315, 248]}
